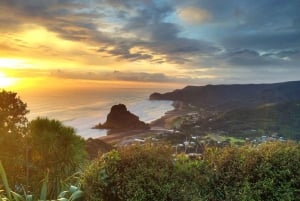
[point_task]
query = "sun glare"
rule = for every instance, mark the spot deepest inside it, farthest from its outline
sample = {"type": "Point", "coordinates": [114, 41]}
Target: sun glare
{"type": "Point", "coordinates": [6, 81]}
{"type": "Point", "coordinates": [12, 63]}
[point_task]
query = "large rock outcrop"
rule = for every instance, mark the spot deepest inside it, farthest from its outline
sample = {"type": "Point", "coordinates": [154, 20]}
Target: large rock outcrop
{"type": "Point", "coordinates": [120, 118]}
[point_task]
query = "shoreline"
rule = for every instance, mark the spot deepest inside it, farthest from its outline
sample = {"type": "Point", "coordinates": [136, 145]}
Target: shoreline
{"type": "Point", "coordinates": [166, 120]}
{"type": "Point", "coordinates": [162, 123]}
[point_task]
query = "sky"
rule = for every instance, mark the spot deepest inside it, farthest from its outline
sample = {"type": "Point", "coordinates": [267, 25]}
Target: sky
{"type": "Point", "coordinates": [147, 43]}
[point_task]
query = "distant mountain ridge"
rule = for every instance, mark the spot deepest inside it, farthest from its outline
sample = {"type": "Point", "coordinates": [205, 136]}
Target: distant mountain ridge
{"type": "Point", "coordinates": [228, 97]}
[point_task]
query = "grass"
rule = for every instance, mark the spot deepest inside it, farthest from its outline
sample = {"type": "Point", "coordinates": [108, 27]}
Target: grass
{"type": "Point", "coordinates": [220, 138]}
{"type": "Point", "coordinates": [234, 140]}
{"type": "Point", "coordinates": [174, 122]}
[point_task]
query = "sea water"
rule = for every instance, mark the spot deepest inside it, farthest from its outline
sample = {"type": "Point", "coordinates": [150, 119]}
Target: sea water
{"type": "Point", "coordinates": [83, 109]}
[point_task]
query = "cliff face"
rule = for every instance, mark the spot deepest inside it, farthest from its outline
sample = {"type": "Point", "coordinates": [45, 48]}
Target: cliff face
{"type": "Point", "coordinates": [120, 118]}
{"type": "Point", "coordinates": [229, 97]}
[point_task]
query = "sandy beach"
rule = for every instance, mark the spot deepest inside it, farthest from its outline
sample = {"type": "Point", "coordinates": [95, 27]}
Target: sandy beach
{"type": "Point", "coordinates": [169, 117]}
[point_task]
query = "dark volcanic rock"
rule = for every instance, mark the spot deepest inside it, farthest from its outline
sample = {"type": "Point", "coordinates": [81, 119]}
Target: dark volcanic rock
{"type": "Point", "coordinates": [120, 118]}
{"type": "Point", "coordinates": [227, 97]}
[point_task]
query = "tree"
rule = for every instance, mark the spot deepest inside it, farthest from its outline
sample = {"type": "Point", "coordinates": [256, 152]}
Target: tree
{"type": "Point", "coordinates": [54, 148]}
{"type": "Point", "coordinates": [13, 124]}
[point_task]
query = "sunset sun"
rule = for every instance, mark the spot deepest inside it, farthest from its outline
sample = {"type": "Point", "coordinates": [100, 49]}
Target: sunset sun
{"type": "Point", "coordinates": [6, 81]}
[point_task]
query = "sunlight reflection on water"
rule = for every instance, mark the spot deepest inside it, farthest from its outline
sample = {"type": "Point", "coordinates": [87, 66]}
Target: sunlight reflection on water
{"type": "Point", "coordinates": [84, 109]}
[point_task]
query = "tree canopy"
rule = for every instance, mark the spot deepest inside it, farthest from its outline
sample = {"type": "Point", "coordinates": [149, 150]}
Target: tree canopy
{"type": "Point", "coordinates": [13, 124]}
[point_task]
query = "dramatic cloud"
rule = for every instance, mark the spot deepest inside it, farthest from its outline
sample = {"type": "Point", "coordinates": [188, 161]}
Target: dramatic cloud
{"type": "Point", "coordinates": [155, 40]}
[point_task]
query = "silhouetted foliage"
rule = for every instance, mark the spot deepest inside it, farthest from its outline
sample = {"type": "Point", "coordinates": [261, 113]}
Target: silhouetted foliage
{"type": "Point", "coordinates": [54, 148]}
{"type": "Point", "coordinates": [13, 124]}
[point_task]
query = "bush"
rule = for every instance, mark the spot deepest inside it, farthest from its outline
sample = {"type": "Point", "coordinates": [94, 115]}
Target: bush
{"type": "Point", "coordinates": [265, 172]}
{"type": "Point", "coordinates": [73, 193]}
{"type": "Point", "coordinates": [54, 148]}
{"type": "Point", "coordinates": [13, 123]}
{"type": "Point", "coordinates": [136, 173]}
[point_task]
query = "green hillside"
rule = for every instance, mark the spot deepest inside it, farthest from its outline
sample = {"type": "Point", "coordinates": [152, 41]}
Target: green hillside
{"type": "Point", "coordinates": [283, 119]}
{"type": "Point", "coordinates": [236, 96]}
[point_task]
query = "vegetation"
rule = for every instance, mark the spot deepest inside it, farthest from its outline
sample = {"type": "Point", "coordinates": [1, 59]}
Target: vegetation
{"type": "Point", "coordinates": [33, 150]}
{"type": "Point", "coordinates": [55, 148]}
{"type": "Point", "coordinates": [72, 194]}
{"type": "Point", "coordinates": [232, 97]}
{"type": "Point", "coordinates": [136, 173]}
{"type": "Point", "coordinates": [47, 155]}
{"type": "Point", "coordinates": [281, 118]}
{"type": "Point", "coordinates": [266, 172]}
{"type": "Point", "coordinates": [13, 123]}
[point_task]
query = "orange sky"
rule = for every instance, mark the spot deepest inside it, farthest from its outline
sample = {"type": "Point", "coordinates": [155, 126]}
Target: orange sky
{"type": "Point", "coordinates": [31, 61]}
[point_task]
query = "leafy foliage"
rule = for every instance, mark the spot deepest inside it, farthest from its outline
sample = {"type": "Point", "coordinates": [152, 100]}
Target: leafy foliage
{"type": "Point", "coordinates": [13, 124]}
{"type": "Point", "coordinates": [74, 193]}
{"type": "Point", "coordinates": [12, 113]}
{"type": "Point", "coordinates": [266, 172]}
{"type": "Point", "coordinates": [281, 118]}
{"type": "Point", "coordinates": [54, 148]}
{"type": "Point", "coordinates": [136, 173]}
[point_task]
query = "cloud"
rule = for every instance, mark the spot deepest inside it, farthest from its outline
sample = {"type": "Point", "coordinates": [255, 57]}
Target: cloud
{"type": "Point", "coordinates": [264, 40]}
{"type": "Point", "coordinates": [145, 26]}
{"type": "Point", "coordinates": [113, 76]}
{"type": "Point", "coordinates": [253, 60]}
{"type": "Point", "coordinates": [238, 34]}
{"type": "Point", "coordinates": [194, 15]}
{"type": "Point", "coordinates": [130, 76]}
{"type": "Point", "coordinates": [164, 37]}
{"type": "Point", "coordinates": [265, 25]}
{"type": "Point", "coordinates": [248, 57]}
{"type": "Point", "coordinates": [286, 54]}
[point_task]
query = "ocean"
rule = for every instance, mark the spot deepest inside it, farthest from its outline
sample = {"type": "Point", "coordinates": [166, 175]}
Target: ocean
{"type": "Point", "coordinates": [83, 109]}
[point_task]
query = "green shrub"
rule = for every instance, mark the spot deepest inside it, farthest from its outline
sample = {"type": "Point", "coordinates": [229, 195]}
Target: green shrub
{"type": "Point", "coordinates": [73, 193]}
{"type": "Point", "coordinates": [265, 172]}
{"type": "Point", "coordinates": [136, 173]}
{"type": "Point", "coordinates": [13, 123]}
{"type": "Point", "coordinates": [54, 148]}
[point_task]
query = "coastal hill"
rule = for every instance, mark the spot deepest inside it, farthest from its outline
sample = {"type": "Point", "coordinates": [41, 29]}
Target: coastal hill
{"type": "Point", "coordinates": [228, 97]}
{"type": "Point", "coordinates": [120, 118]}
{"type": "Point", "coordinates": [282, 118]}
